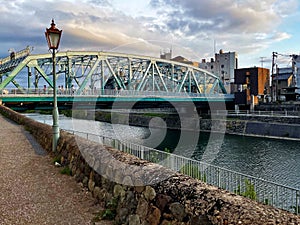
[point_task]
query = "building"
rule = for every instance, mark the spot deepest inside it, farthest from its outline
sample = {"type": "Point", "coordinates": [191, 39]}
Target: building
{"type": "Point", "coordinates": [286, 80]}
{"type": "Point", "coordinates": [181, 59]}
{"type": "Point", "coordinates": [166, 55]}
{"type": "Point", "coordinates": [223, 66]}
{"type": "Point", "coordinates": [283, 84]}
{"type": "Point", "coordinates": [252, 84]}
{"type": "Point", "coordinates": [296, 73]}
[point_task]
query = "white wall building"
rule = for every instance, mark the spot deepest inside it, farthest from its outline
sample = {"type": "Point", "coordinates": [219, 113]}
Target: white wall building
{"type": "Point", "coordinates": [223, 66]}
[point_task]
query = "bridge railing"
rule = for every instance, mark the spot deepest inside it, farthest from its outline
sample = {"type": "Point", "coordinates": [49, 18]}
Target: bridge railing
{"type": "Point", "coordinates": [266, 192]}
{"type": "Point", "coordinates": [15, 55]}
{"type": "Point", "coordinates": [107, 92]}
{"type": "Point", "coordinates": [284, 113]}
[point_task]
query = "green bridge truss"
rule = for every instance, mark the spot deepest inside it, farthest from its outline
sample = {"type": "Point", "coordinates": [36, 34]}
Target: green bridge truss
{"type": "Point", "coordinates": [89, 70]}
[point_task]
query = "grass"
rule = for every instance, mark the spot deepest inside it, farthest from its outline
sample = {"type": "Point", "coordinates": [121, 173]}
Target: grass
{"type": "Point", "coordinates": [66, 170]}
{"type": "Point", "coordinates": [249, 191]}
{"type": "Point", "coordinates": [109, 213]}
{"type": "Point", "coordinates": [56, 159]}
{"type": "Point", "coordinates": [193, 171]}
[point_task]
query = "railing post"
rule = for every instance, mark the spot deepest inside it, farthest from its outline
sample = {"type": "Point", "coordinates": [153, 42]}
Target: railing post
{"type": "Point", "coordinates": [297, 206]}
{"type": "Point", "coordinates": [219, 177]}
{"type": "Point", "coordinates": [142, 152]}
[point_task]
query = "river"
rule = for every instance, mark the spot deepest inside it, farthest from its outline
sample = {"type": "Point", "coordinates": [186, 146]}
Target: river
{"type": "Point", "coordinates": [273, 160]}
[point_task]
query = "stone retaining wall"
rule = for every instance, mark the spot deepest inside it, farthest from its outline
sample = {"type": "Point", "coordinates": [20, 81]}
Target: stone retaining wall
{"type": "Point", "coordinates": [253, 128]}
{"type": "Point", "coordinates": [132, 189]}
{"type": "Point", "coordinates": [262, 126]}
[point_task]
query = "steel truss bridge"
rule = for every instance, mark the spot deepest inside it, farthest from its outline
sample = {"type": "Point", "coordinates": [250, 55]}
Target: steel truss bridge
{"type": "Point", "coordinates": [90, 74]}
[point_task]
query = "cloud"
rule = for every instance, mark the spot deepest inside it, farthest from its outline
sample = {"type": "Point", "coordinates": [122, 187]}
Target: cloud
{"type": "Point", "coordinates": [242, 16]}
{"type": "Point", "coordinates": [253, 24]}
{"type": "Point", "coordinates": [190, 26]}
{"type": "Point", "coordinates": [93, 24]}
{"type": "Point", "coordinates": [280, 36]}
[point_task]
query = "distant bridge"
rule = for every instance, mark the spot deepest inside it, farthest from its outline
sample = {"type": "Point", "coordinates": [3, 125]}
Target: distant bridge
{"type": "Point", "coordinates": [91, 75]}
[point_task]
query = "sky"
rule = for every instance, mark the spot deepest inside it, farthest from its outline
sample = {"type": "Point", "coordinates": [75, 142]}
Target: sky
{"type": "Point", "coordinates": [195, 29]}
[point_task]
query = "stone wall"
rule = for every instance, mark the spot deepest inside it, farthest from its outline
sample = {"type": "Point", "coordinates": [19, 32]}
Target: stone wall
{"type": "Point", "coordinates": [143, 193]}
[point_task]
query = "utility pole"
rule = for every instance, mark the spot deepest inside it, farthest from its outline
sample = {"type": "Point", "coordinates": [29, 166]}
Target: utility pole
{"type": "Point", "coordinates": [262, 61]}
{"type": "Point", "coordinates": [274, 92]}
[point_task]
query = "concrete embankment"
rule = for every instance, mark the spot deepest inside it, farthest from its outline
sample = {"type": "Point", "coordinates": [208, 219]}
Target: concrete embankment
{"type": "Point", "coordinates": [259, 126]}
{"type": "Point", "coordinates": [138, 192]}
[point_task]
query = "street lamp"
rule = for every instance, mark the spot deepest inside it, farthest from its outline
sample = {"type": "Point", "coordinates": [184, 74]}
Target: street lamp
{"type": "Point", "coordinates": [53, 38]}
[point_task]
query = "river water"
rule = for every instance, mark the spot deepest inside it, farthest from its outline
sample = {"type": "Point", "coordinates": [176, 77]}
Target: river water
{"type": "Point", "coordinates": [273, 160]}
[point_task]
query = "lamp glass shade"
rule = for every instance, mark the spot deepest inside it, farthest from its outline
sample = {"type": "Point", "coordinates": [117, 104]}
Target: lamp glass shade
{"type": "Point", "coordinates": [53, 36]}
{"type": "Point", "coordinates": [54, 40]}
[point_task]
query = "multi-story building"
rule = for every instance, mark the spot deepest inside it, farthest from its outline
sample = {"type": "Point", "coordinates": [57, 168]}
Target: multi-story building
{"type": "Point", "coordinates": [252, 84]}
{"type": "Point", "coordinates": [223, 66]}
{"type": "Point", "coordinates": [296, 73]}
{"type": "Point", "coordinates": [283, 84]}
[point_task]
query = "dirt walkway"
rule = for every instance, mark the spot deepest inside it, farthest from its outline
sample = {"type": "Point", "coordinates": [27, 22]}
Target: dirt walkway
{"type": "Point", "coordinates": [32, 190]}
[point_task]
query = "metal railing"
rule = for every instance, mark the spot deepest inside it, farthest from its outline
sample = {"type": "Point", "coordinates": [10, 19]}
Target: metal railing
{"type": "Point", "coordinates": [284, 113]}
{"type": "Point", "coordinates": [107, 92]}
{"type": "Point", "coordinates": [18, 54]}
{"type": "Point", "coordinates": [270, 193]}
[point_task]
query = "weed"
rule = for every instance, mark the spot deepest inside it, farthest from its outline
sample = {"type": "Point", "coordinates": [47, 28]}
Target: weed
{"type": "Point", "coordinates": [110, 212]}
{"type": "Point", "coordinates": [167, 150]}
{"type": "Point", "coordinates": [193, 171]}
{"type": "Point", "coordinates": [249, 190]}
{"type": "Point", "coordinates": [66, 170]}
{"type": "Point", "coordinates": [56, 159]}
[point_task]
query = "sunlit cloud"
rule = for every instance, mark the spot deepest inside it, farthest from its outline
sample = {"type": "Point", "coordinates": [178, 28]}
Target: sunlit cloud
{"type": "Point", "coordinates": [244, 26]}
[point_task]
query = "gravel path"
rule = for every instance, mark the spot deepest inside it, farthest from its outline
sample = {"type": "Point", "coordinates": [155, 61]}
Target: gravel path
{"type": "Point", "coordinates": [32, 190]}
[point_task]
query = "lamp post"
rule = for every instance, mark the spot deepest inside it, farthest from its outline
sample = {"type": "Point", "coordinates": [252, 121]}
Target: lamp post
{"type": "Point", "coordinates": [53, 38]}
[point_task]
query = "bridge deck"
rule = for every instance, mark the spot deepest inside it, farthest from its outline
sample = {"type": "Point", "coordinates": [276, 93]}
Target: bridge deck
{"type": "Point", "coordinates": [44, 101]}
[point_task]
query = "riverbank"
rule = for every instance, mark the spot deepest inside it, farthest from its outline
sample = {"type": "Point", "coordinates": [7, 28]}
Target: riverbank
{"type": "Point", "coordinates": [287, 128]}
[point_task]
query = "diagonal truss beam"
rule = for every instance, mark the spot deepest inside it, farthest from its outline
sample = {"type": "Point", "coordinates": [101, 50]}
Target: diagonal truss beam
{"type": "Point", "coordinates": [81, 88]}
